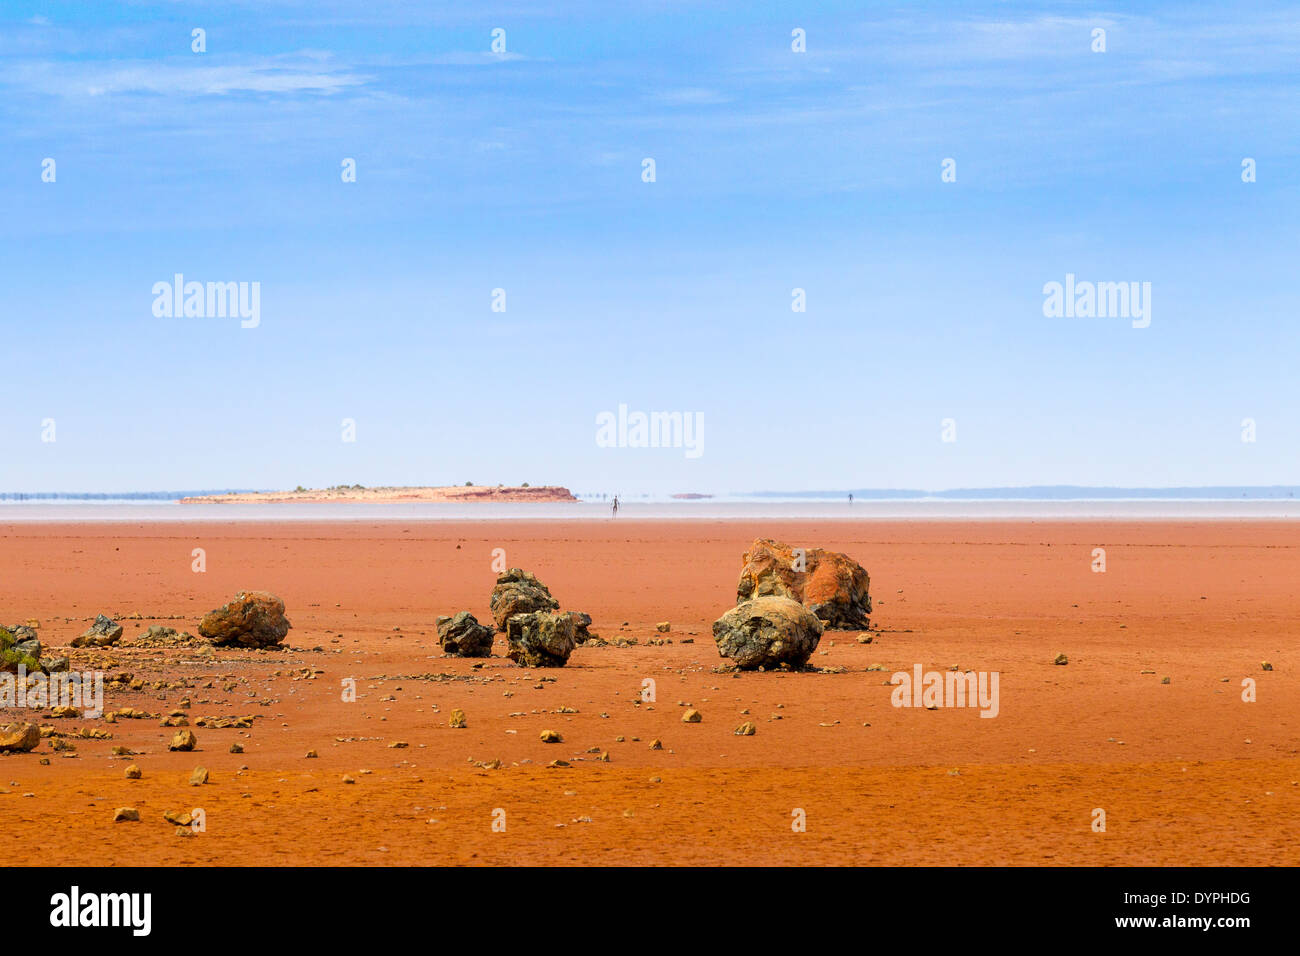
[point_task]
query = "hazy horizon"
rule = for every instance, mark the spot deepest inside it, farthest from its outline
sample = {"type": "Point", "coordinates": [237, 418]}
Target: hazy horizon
{"type": "Point", "coordinates": [1023, 493]}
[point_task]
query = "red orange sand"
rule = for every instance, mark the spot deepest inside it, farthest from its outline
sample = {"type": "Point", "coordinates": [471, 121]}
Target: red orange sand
{"type": "Point", "coordinates": [1186, 772]}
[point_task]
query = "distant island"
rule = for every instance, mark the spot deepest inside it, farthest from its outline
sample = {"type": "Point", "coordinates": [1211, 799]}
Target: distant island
{"type": "Point", "coordinates": [691, 496]}
{"type": "Point", "coordinates": [450, 493]}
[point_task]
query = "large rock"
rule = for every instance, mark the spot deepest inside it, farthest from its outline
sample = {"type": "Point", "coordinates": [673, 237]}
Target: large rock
{"type": "Point", "coordinates": [14, 652]}
{"type": "Point", "coordinates": [26, 640]}
{"type": "Point", "coordinates": [19, 737]}
{"type": "Point", "coordinates": [541, 638]}
{"type": "Point", "coordinates": [103, 633]}
{"type": "Point", "coordinates": [518, 592]}
{"type": "Point", "coordinates": [252, 619]}
{"type": "Point", "coordinates": [462, 635]}
{"type": "Point", "coordinates": [768, 632]}
{"type": "Point", "coordinates": [832, 585]}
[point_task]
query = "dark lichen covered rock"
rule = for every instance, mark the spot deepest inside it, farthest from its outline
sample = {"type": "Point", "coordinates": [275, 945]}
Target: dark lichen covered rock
{"type": "Point", "coordinates": [832, 585]}
{"type": "Point", "coordinates": [768, 632]}
{"type": "Point", "coordinates": [105, 632]}
{"type": "Point", "coordinates": [252, 619]}
{"type": "Point", "coordinates": [26, 640]}
{"type": "Point", "coordinates": [541, 638]}
{"type": "Point", "coordinates": [15, 652]}
{"type": "Point", "coordinates": [518, 592]}
{"type": "Point", "coordinates": [461, 635]}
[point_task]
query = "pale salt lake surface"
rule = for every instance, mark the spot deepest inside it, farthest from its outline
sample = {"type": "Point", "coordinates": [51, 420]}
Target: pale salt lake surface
{"type": "Point", "coordinates": [715, 509]}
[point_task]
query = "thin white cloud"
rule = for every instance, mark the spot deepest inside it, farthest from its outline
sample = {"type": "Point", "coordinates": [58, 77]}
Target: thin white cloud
{"type": "Point", "coordinates": [172, 79]}
{"type": "Point", "coordinates": [473, 58]}
{"type": "Point", "coordinates": [692, 96]}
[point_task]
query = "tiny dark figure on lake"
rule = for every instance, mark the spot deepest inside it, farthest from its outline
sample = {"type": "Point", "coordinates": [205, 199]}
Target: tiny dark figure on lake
{"type": "Point", "coordinates": [615, 509]}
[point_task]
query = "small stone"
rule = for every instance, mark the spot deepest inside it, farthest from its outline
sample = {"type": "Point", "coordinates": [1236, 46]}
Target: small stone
{"type": "Point", "coordinates": [126, 815]}
{"type": "Point", "coordinates": [199, 777]}
{"type": "Point", "coordinates": [551, 737]}
{"type": "Point", "coordinates": [133, 772]}
{"type": "Point", "coordinates": [663, 627]}
{"type": "Point", "coordinates": [692, 716]}
{"type": "Point", "coordinates": [1061, 659]}
{"type": "Point", "coordinates": [1266, 665]}
{"type": "Point", "coordinates": [311, 755]}
{"type": "Point", "coordinates": [180, 818]}
{"type": "Point", "coordinates": [236, 748]}
{"type": "Point", "coordinates": [184, 740]}
{"type": "Point", "coordinates": [458, 719]}
{"type": "Point", "coordinates": [747, 729]}
{"type": "Point", "coordinates": [348, 778]}
{"type": "Point", "coordinates": [656, 744]}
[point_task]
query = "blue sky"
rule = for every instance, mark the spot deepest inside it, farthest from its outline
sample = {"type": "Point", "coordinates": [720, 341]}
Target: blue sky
{"type": "Point", "coordinates": [774, 170]}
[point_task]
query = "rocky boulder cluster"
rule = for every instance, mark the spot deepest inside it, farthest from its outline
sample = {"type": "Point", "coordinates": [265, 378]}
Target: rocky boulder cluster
{"type": "Point", "coordinates": [538, 633]}
{"type": "Point", "coordinates": [254, 619]}
{"type": "Point", "coordinates": [785, 600]}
